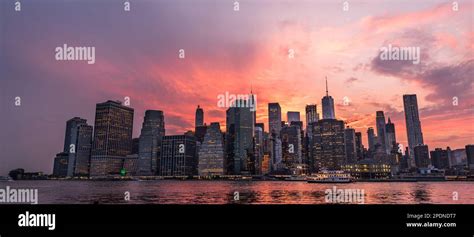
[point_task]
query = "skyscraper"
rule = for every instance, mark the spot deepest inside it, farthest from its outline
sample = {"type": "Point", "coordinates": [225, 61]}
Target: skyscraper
{"type": "Point", "coordinates": [83, 150]}
{"type": "Point", "coordinates": [311, 117]}
{"type": "Point", "coordinates": [274, 121]}
{"type": "Point", "coordinates": [381, 135]}
{"type": "Point", "coordinates": [112, 138]}
{"type": "Point", "coordinates": [328, 148]}
{"type": "Point", "coordinates": [311, 114]}
{"type": "Point", "coordinates": [69, 137]}
{"type": "Point", "coordinates": [291, 146]}
{"type": "Point", "coordinates": [413, 124]}
{"type": "Point", "coordinates": [200, 132]}
{"type": "Point", "coordinates": [292, 116]}
{"type": "Point", "coordinates": [359, 146]}
{"type": "Point", "coordinates": [199, 117]}
{"type": "Point", "coordinates": [350, 144]}
{"type": "Point", "coordinates": [239, 138]}
{"type": "Point", "coordinates": [178, 155]}
{"type": "Point", "coordinates": [153, 130]}
{"type": "Point", "coordinates": [422, 156]}
{"type": "Point", "coordinates": [328, 105]}
{"type": "Point", "coordinates": [390, 136]}
{"type": "Point", "coordinates": [259, 147]}
{"type": "Point", "coordinates": [77, 144]}
{"type": "Point", "coordinates": [211, 152]}
{"type": "Point", "coordinates": [371, 138]}
{"type": "Point", "coordinates": [274, 118]}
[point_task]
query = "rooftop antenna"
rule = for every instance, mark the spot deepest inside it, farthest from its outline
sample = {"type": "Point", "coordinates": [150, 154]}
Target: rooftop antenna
{"type": "Point", "coordinates": [327, 93]}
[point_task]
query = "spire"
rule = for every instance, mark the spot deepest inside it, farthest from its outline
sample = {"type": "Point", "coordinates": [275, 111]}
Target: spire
{"type": "Point", "coordinates": [389, 120]}
{"type": "Point", "coordinates": [327, 93]}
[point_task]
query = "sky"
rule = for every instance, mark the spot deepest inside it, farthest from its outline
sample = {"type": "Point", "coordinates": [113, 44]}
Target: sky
{"type": "Point", "coordinates": [229, 51]}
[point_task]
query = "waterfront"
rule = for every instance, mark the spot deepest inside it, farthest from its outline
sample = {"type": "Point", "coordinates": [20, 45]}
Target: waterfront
{"type": "Point", "coordinates": [250, 192]}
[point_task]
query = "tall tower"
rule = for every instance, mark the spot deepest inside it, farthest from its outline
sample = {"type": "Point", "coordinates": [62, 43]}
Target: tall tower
{"type": "Point", "coordinates": [328, 105]}
{"type": "Point", "coordinates": [77, 145]}
{"type": "Point", "coordinates": [274, 121]}
{"type": "Point", "coordinates": [350, 145]}
{"type": "Point", "coordinates": [199, 117]}
{"type": "Point", "coordinates": [413, 125]}
{"type": "Point", "coordinates": [390, 135]}
{"type": "Point", "coordinates": [381, 135]}
{"type": "Point", "coordinates": [240, 130]}
{"type": "Point", "coordinates": [311, 114]}
{"type": "Point", "coordinates": [274, 118]}
{"type": "Point", "coordinates": [371, 138]}
{"type": "Point", "coordinates": [153, 130]}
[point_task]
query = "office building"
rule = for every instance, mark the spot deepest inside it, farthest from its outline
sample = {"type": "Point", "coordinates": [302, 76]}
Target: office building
{"type": "Point", "coordinates": [240, 130]}
{"type": "Point", "coordinates": [199, 121]}
{"type": "Point", "coordinates": [211, 152]}
{"type": "Point", "coordinates": [440, 158]}
{"type": "Point", "coordinates": [153, 130]}
{"type": "Point", "coordinates": [178, 155]}
{"type": "Point", "coordinates": [350, 144]}
{"type": "Point", "coordinates": [328, 147]}
{"type": "Point", "coordinates": [413, 124]}
{"type": "Point", "coordinates": [292, 116]}
{"type": "Point", "coordinates": [112, 138]}
{"type": "Point", "coordinates": [422, 156]}
{"type": "Point", "coordinates": [381, 135]}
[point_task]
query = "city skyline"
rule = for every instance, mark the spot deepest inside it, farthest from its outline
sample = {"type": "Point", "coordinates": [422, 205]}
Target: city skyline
{"type": "Point", "coordinates": [253, 56]}
{"type": "Point", "coordinates": [343, 134]}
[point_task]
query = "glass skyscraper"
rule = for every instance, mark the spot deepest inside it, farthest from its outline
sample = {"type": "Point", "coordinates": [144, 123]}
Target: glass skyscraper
{"type": "Point", "coordinates": [413, 125]}
{"type": "Point", "coordinates": [381, 134]}
{"type": "Point", "coordinates": [328, 105]}
{"type": "Point", "coordinates": [77, 144]}
{"type": "Point", "coordinates": [153, 130]}
{"type": "Point", "coordinates": [240, 130]}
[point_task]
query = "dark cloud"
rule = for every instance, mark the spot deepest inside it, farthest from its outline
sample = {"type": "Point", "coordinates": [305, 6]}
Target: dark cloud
{"type": "Point", "coordinates": [351, 80]}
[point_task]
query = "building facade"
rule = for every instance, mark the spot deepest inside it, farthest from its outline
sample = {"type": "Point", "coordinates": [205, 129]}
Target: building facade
{"type": "Point", "coordinates": [328, 105]}
{"type": "Point", "coordinates": [422, 156]}
{"type": "Point", "coordinates": [199, 121]}
{"type": "Point", "coordinates": [350, 144]}
{"type": "Point", "coordinates": [178, 156]}
{"type": "Point", "coordinates": [328, 147]}
{"type": "Point", "coordinates": [291, 147]}
{"type": "Point", "coordinates": [112, 138]}
{"type": "Point", "coordinates": [211, 152]}
{"type": "Point", "coordinates": [78, 144]}
{"type": "Point", "coordinates": [240, 130]}
{"type": "Point", "coordinates": [152, 132]}
{"type": "Point", "coordinates": [440, 158]}
{"type": "Point", "coordinates": [413, 124]}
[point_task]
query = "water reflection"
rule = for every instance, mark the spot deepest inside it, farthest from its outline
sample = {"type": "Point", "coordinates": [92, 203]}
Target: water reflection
{"type": "Point", "coordinates": [223, 192]}
{"type": "Point", "coordinates": [421, 194]}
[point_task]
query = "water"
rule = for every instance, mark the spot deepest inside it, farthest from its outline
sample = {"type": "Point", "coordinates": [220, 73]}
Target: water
{"type": "Point", "coordinates": [222, 192]}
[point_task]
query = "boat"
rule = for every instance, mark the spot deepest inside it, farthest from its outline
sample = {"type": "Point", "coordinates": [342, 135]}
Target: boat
{"type": "Point", "coordinates": [330, 176]}
{"type": "Point", "coordinates": [296, 178]}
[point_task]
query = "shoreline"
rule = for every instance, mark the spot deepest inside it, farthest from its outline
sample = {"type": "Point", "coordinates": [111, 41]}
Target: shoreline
{"type": "Point", "coordinates": [114, 179]}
